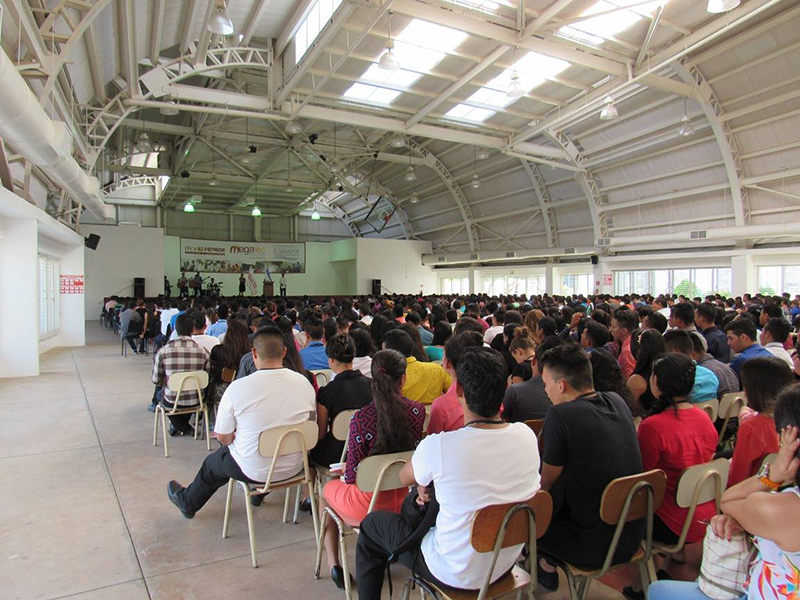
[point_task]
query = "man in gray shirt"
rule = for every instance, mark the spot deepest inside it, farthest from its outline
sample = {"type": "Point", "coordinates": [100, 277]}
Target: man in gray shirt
{"type": "Point", "coordinates": [128, 316]}
{"type": "Point", "coordinates": [728, 382]}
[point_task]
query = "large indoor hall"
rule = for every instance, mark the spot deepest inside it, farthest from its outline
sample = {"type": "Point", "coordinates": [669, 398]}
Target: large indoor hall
{"type": "Point", "coordinates": [374, 299]}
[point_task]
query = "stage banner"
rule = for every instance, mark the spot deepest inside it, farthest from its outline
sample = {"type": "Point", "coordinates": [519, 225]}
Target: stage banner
{"type": "Point", "coordinates": [209, 256]}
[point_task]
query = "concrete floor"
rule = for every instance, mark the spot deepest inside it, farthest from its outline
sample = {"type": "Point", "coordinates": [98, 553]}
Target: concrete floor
{"type": "Point", "coordinates": [85, 513]}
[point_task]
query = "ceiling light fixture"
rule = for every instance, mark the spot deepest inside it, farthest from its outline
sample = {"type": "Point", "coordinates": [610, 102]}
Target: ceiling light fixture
{"type": "Point", "coordinates": [410, 175]}
{"type": "Point", "coordinates": [256, 212]}
{"type": "Point", "coordinates": [397, 141]}
{"type": "Point", "coordinates": [171, 110]}
{"type": "Point", "coordinates": [315, 216]}
{"type": "Point", "coordinates": [388, 60]}
{"type": "Point", "coordinates": [293, 127]}
{"type": "Point", "coordinates": [721, 6]}
{"type": "Point", "coordinates": [219, 22]}
{"type": "Point", "coordinates": [188, 207]}
{"type": "Point", "coordinates": [609, 112]}
{"type": "Point", "coordinates": [414, 199]}
{"type": "Point", "coordinates": [686, 127]}
{"type": "Point", "coordinates": [483, 154]}
{"type": "Point", "coordinates": [476, 182]}
{"type": "Point", "coordinates": [515, 90]}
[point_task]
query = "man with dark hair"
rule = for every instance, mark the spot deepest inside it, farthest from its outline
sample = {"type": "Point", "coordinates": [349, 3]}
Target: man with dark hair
{"type": "Point", "coordinates": [682, 317]}
{"type": "Point", "coordinates": [272, 397]}
{"type": "Point", "coordinates": [426, 335]}
{"type": "Point", "coordinates": [773, 337]}
{"type": "Point", "coordinates": [706, 384]}
{"type": "Point", "coordinates": [655, 320]}
{"type": "Point", "coordinates": [485, 463]}
{"type": "Point", "coordinates": [622, 325]}
{"type": "Point", "coordinates": [313, 355]}
{"type": "Point", "coordinates": [221, 326]}
{"type": "Point", "coordinates": [498, 320]}
{"type": "Point", "coordinates": [728, 382]}
{"type": "Point", "coordinates": [706, 320]}
{"type": "Point", "coordinates": [660, 306]}
{"type": "Point", "coordinates": [465, 324]}
{"type": "Point", "coordinates": [179, 355]}
{"type": "Point", "coordinates": [199, 332]}
{"type": "Point", "coordinates": [589, 440]}
{"type": "Point", "coordinates": [595, 335]}
{"type": "Point", "coordinates": [425, 381]}
{"type": "Point", "coordinates": [528, 400]}
{"type": "Point", "coordinates": [742, 336]}
{"type": "Point", "coordinates": [447, 414]}
{"type": "Point", "coordinates": [364, 314]}
{"type": "Point", "coordinates": [770, 311]}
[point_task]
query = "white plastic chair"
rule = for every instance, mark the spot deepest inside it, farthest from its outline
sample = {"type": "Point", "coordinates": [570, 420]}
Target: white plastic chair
{"type": "Point", "coordinates": [183, 382]}
{"type": "Point", "coordinates": [323, 376]}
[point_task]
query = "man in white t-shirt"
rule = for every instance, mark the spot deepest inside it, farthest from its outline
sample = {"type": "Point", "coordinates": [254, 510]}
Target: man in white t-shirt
{"type": "Point", "coordinates": [199, 332]}
{"type": "Point", "coordinates": [271, 397]}
{"type": "Point", "coordinates": [497, 325]}
{"type": "Point", "coordinates": [487, 462]}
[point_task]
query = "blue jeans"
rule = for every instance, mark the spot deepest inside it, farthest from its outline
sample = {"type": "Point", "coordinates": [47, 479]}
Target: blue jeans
{"type": "Point", "coordinates": [677, 590]}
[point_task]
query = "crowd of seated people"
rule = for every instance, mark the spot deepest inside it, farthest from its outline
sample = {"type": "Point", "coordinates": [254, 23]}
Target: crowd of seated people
{"type": "Point", "coordinates": [617, 381]}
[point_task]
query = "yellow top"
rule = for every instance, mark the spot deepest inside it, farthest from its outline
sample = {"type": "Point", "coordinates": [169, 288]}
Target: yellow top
{"type": "Point", "coordinates": [425, 381]}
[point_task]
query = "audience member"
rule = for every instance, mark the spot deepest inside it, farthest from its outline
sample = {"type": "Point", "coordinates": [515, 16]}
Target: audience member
{"type": "Point", "coordinates": [682, 317]}
{"type": "Point", "coordinates": [131, 325]}
{"type": "Point", "coordinates": [418, 350]}
{"type": "Point", "coordinates": [199, 332]}
{"type": "Point", "coordinates": [447, 414]}
{"type": "Point", "coordinates": [522, 350]}
{"type": "Point", "coordinates": [607, 377]}
{"type": "Point", "coordinates": [442, 332]}
{"type": "Point", "coordinates": [773, 337]}
{"type": "Point", "coordinates": [594, 335]}
{"type": "Point", "coordinates": [221, 326]}
{"type": "Point", "coordinates": [655, 321]}
{"type": "Point", "coordinates": [728, 381]}
{"type": "Point", "coordinates": [650, 346]}
{"type": "Point", "coordinates": [622, 326]}
{"type": "Point", "coordinates": [313, 355]}
{"type": "Point", "coordinates": [742, 334]}
{"type": "Point", "coordinates": [528, 400]}
{"type": "Point", "coordinates": [424, 381]}
{"type": "Point", "coordinates": [225, 357]}
{"type": "Point", "coordinates": [364, 351]}
{"type": "Point", "coordinates": [589, 440]}
{"type": "Point", "coordinates": [706, 384]}
{"type": "Point", "coordinates": [498, 320]}
{"type": "Point", "coordinates": [706, 318]}
{"type": "Point", "coordinates": [271, 397]}
{"type": "Point", "coordinates": [487, 462]}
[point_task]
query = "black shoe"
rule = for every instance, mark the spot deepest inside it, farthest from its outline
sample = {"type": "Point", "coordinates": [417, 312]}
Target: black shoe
{"type": "Point", "coordinates": [662, 575]}
{"type": "Point", "coordinates": [548, 581]}
{"type": "Point", "coordinates": [188, 431]}
{"type": "Point", "coordinates": [337, 574]}
{"type": "Point", "coordinates": [305, 505]}
{"type": "Point", "coordinates": [151, 407]}
{"type": "Point", "coordinates": [258, 499]}
{"type": "Point", "coordinates": [629, 593]}
{"type": "Point", "coordinates": [173, 431]}
{"type": "Point", "coordinates": [172, 491]}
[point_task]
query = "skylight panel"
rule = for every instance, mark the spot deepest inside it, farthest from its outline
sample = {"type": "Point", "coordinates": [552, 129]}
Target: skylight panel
{"type": "Point", "coordinates": [371, 93]}
{"type": "Point", "coordinates": [315, 21]}
{"type": "Point", "coordinates": [400, 77]}
{"type": "Point", "coordinates": [465, 112]}
{"type": "Point", "coordinates": [422, 45]}
{"type": "Point", "coordinates": [485, 6]}
{"type": "Point", "coordinates": [597, 30]}
{"type": "Point", "coordinates": [492, 97]}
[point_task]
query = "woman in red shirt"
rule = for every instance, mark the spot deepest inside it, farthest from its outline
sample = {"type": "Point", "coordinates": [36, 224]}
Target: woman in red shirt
{"type": "Point", "coordinates": [675, 436]}
{"type": "Point", "coordinates": [762, 379]}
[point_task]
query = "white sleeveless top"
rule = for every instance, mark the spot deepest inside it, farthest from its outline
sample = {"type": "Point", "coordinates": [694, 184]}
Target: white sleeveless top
{"type": "Point", "coordinates": [775, 574]}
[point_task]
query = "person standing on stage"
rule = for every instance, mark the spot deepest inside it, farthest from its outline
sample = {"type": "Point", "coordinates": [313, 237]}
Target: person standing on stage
{"type": "Point", "coordinates": [182, 283]}
{"type": "Point", "coordinates": [167, 287]}
{"type": "Point", "coordinates": [242, 284]}
{"type": "Point", "coordinates": [198, 284]}
{"type": "Point", "coordinates": [283, 283]}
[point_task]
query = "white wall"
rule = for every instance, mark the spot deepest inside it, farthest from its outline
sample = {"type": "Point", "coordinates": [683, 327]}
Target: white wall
{"type": "Point", "coordinates": [397, 263]}
{"type": "Point", "coordinates": [123, 253]}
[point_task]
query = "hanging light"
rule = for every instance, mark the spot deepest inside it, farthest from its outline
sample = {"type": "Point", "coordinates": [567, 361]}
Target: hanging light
{"type": "Point", "coordinates": [476, 182]}
{"type": "Point", "coordinates": [410, 175]}
{"type": "Point", "coordinates": [219, 22]}
{"type": "Point", "coordinates": [293, 127]}
{"type": "Point", "coordinates": [315, 215]}
{"type": "Point", "coordinates": [245, 159]}
{"type": "Point", "coordinates": [213, 181]}
{"type": "Point", "coordinates": [686, 128]}
{"type": "Point", "coordinates": [515, 90]}
{"type": "Point", "coordinates": [414, 198]}
{"type": "Point", "coordinates": [388, 60]}
{"type": "Point", "coordinates": [335, 167]}
{"type": "Point", "coordinates": [609, 112]}
{"type": "Point", "coordinates": [397, 141]}
{"type": "Point", "coordinates": [188, 207]}
{"type": "Point", "coordinates": [721, 6]}
{"type": "Point", "coordinates": [483, 154]}
{"type": "Point", "coordinates": [171, 110]}
{"type": "Point", "coordinates": [256, 212]}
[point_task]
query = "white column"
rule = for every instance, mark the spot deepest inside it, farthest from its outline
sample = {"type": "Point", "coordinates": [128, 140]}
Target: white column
{"type": "Point", "coordinates": [603, 282]}
{"type": "Point", "coordinates": [472, 276]}
{"type": "Point", "coordinates": [72, 325]}
{"type": "Point", "coordinates": [744, 278]}
{"type": "Point", "coordinates": [552, 274]}
{"type": "Point", "coordinates": [19, 298]}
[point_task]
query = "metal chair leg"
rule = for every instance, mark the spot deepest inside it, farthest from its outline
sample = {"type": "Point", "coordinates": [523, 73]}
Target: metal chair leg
{"type": "Point", "coordinates": [320, 544]}
{"type": "Point", "coordinates": [155, 428]}
{"type": "Point", "coordinates": [297, 504]}
{"type": "Point", "coordinates": [314, 508]}
{"type": "Point", "coordinates": [208, 431]}
{"type": "Point", "coordinates": [345, 565]}
{"type": "Point", "coordinates": [286, 505]}
{"type": "Point", "coordinates": [164, 432]}
{"type": "Point", "coordinates": [250, 525]}
{"type": "Point", "coordinates": [228, 498]}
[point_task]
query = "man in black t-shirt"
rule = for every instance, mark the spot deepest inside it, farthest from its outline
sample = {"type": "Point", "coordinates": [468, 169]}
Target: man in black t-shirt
{"type": "Point", "coordinates": [589, 440]}
{"type": "Point", "coordinates": [528, 400]}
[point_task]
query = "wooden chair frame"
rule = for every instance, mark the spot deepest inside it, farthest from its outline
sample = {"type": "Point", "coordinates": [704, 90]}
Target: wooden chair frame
{"type": "Point", "coordinates": [652, 484]}
{"type": "Point", "coordinates": [730, 405]}
{"type": "Point", "coordinates": [376, 474]}
{"type": "Point", "coordinates": [291, 439]}
{"type": "Point", "coordinates": [200, 379]}
{"type": "Point", "coordinates": [717, 471]}
{"type": "Point", "coordinates": [493, 530]}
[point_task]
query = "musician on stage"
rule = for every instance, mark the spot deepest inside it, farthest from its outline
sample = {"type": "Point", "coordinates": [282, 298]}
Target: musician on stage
{"type": "Point", "coordinates": [197, 284]}
{"type": "Point", "coordinates": [213, 289]}
{"type": "Point", "coordinates": [182, 284]}
{"type": "Point", "coordinates": [167, 287]}
{"type": "Point", "coordinates": [242, 284]}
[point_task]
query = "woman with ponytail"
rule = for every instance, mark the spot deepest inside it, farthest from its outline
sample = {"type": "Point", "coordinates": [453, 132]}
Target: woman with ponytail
{"type": "Point", "coordinates": [677, 435]}
{"type": "Point", "coordinates": [522, 349]}
{"type": "Point", "coordinates": [390, 423]}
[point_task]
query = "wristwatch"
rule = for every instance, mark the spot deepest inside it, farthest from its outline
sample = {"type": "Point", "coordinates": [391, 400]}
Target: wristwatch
{"type": "Point", "coordinates": [763, 477]}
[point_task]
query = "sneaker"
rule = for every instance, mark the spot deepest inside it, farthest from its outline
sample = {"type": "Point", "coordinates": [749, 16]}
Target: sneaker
{"type": "Point", "coordinates": [305, 505]}
{"type": "Point", "coordinates": [151, 407]}
{"type": "Point", "coordinates": [136, 352]}
{"type": "Point", "coordinates": [173, 432]}
{"type": "Point", "coordinates": [548, 581]}
{"type": "Point", "coordinates": [172, 491]}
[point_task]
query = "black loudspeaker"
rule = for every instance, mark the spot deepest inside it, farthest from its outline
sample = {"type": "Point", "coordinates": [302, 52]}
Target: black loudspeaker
{"type": "Point", "coordinates": [376, 287]}
{"type": "Point", "coordinates": [138, 287]}
{"type": "Point", "coordinates": [594, 260]}
{"type": "Point", "coordinates": [91, 241]}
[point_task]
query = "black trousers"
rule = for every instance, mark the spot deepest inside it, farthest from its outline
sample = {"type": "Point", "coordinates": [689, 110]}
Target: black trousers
{"type": "Point", "coordinates": [381, 533]}
{"type": "Point", "coordinates": [217, 469]}
{"type": "Point", "coordinates": [180, 422]}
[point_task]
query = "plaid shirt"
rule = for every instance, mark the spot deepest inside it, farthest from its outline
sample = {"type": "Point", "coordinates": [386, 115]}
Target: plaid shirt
{"type": "Point", "coordinates": [181, 354]}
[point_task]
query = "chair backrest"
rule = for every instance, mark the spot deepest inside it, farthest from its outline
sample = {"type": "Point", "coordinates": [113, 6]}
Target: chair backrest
{"type": "Point", "coordinates": [341, 425]}
{"type": "Point", "coordinates": [488, 523]}
{"type": "Point", "coordinates": [228, 374]}
{"type": "Point", "coordinates": [731, 405]}
{"type": "Point", "coordinates": [427, 420]}
{"type": "Point", "coordinates": [289, 439]}
{"type": "Point", "coordinates": [705, 482]}
{"type": "Point", "coordinates": [536, 425]}
{"type": "Point", "coordinates": [381, 472]}
{"type": "Point", "coordinates": [323, 376]}
{"type": "Point", "coordinates": [710, 407]}
{"type": "Point", "coordinates": [612, 503]}
{"type": "Point", "coordinates": [184, 381]}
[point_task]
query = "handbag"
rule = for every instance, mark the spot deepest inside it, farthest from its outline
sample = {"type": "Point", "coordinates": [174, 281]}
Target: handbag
{"type": "Point", "coordinates": [725, 566]}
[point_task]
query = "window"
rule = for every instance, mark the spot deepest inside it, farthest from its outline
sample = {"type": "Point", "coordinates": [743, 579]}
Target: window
{"type": "Point", "coordinates": [312, 25]}
{"type": "Point", "coordinates": [576, 284]}
{"type": "Point", "coordinates": [49, 296]}
{"type": "Point", "coordinates": [598, 29]}
{"type": "Point", "coordinates": [530, 285]}
{"type": "Point", "coordinates": [455, 285]}
{"type": "Point", "coordinates": [689, 282]}
{"type": "Point", "coordinates": [371, 93]}
{"type": "Point", "coordinates": [779, 279]}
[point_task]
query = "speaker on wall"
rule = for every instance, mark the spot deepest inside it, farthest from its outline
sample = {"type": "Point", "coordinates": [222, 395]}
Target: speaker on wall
{"type": "Point", "coordinates": [594, 259]}
{"type": "Point", "coordinates": [138, 287]}
{"type": "Point", "coordinates": [91, 241]}
{"type": "Point", "coordinates": [376, 287]}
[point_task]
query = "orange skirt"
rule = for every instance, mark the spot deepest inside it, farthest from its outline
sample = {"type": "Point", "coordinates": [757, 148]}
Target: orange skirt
{"type": "Point", "coordinates": [351, 504]}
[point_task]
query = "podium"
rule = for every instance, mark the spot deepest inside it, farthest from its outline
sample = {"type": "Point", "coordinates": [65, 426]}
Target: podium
{"type": "Point", "coordinates": [269, 289]}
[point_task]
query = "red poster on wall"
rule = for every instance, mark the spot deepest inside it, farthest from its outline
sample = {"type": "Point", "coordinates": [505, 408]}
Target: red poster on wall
{"type": "Point", "coordinates": [606, 278]}
{"type": "Point", "coordinates": [72, 284]}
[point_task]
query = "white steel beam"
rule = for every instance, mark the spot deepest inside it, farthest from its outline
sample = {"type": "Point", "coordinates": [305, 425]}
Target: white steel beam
{"type": "Point", "coordinates": [127, 28]}
{"type": "Point", "coordinates": [253, 20]}
{"type": "Point", "coordinates": [94, 66]}
{"type": "Point", "coordinates": [188, 24]}
{"type": "Point", "coordinates": [543, 198]}
{"type": "Point", "coordinates": [156, 28]}
{"type": "Point", "coordinates": [291, 27]}
{"type": "Point", "coordinates": [548, 14]}
{"type": "Point", "coordinates": [205, 35]}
